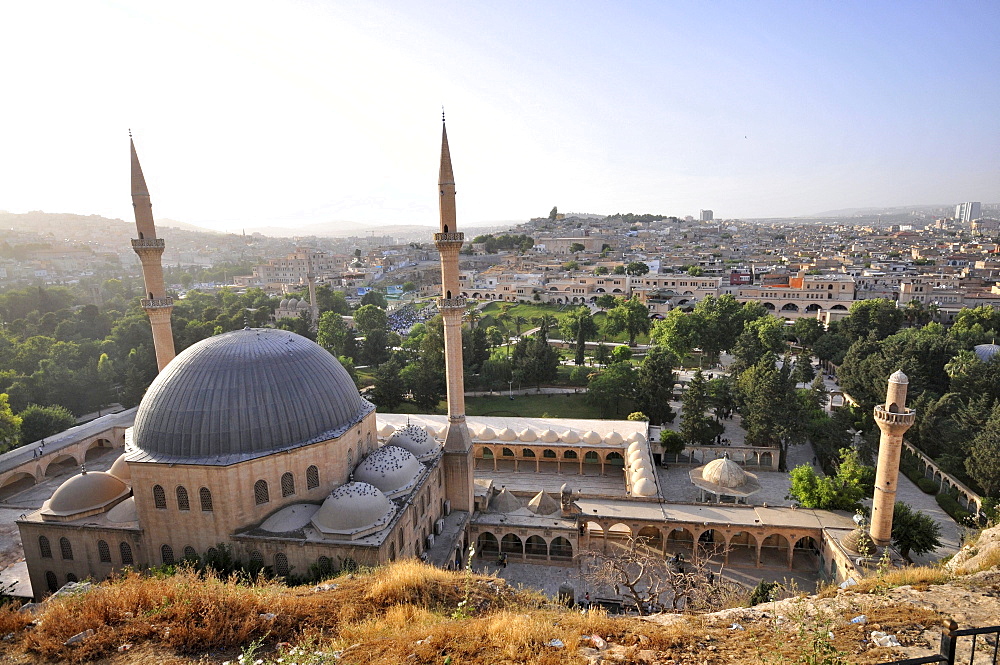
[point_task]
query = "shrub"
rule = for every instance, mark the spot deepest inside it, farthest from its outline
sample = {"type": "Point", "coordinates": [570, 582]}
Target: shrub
{"type": "Point", "coordinates": [951, 506]}
{"type": "Point", "coordinates": [927, 485]}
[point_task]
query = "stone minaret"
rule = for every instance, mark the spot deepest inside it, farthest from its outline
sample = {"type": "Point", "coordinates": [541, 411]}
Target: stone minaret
{"type": "Point", "coordinates": [458, 443]}
{"type": "Point", "coordinates": [893, 419]}
{"type": "Point", "coordinates": [150, 250]}
{"type": "Point", "coordinates": [313, 304]}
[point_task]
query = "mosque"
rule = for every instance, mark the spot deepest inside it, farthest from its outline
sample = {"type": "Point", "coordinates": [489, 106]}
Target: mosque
{"type": "Point", "coordinates": [259, 440]}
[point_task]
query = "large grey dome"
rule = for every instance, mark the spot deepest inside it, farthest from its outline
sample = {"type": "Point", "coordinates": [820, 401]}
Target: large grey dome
{"type": "Point", "coordinates": [244, 394]}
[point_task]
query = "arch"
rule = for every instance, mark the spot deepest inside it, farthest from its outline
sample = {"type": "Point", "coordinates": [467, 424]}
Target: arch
{"type": "Point", "coordinates": [44, 547]}
{"type": "Point", "coordinates": [312, 477]}
{"type": "Point", "coordinates": [652, 536]}
{"type": "Point", "coordinates": [839, 308]}
{"type": "Point", "coordinates": [774, 550]}
{"type": "Point", "coordinates": [260, 493]}
{"type": "Point", "coordinates": [103, 551]}
{"type": "Point", "coordinates": [769, 306]}
{"type": "Point", "coordinates": [190, 554]}
{"type": "Point", "coordinates": [159, 497]}
{"type": "Point", "coordinates": [167, 555]}
{"type": "Point", "coordinates": [507, 452]}
{"type": "Point", "coordinates": [766, 459]}
{"type": "Point", "coordinates": [527, 452]}
{"type": "Point", "coordinates": [97, 448]}
{"type": "Point", "coordinates": [125, 551]}
{"type": "Point", "coordinates": [66, 549]}
{"type": "Point", "coordinates": [679, 539]}
{"type": "Point", "coordinates": [511, 544]}
{"type": "Point", "coordinates": [50, 581]}
{"type": "Point", "coordinates": [616, 291]}
{"type": "Point", "coordinates": [561, 549]}
{"type": "Point", "coordinates": [536, 546]}
{"type": "Point", "coordinates": [615, 459]}
{"type": "Point", "coordinates": [205, 495]}
{"type": "Point", "coordinates": [620, 530]}
{"type": "Point", "coordinates": [591, 457]}
{"type": "Point", "coordinates": [256, 560]}
{"type": "Point", "coordinates": [742, 549]}
{"type": "Point", "coordinates": [287, 484]}
{"type": "Point", "coordinates": [281, 564]}
{"type": "Point", "coordinates": [487, 452]}
{"type": "Point", "coordinates": [805, 554]}
{"type": "Point", "coordinates": [211, 554]}
{"type": "Point", "coordinates": [182, 498]}
{"type": "Point", "coordinates": [570, 454]}
{"type": "Point", "coordinates": [711, 543]}
{"type": "Point", "coordinates": [814, 307]}
{"type": "Point", "coordinates": [487, 543]}
{"type": "Point", "coordinates": [70, 578]}
{"type": "Point", "coordinates": [548, 453]}
{"type": "Point", "coordinates": [789, 307]}
{"type": "Point", "coordinates": [15, 483]}
{"type": "Point", "coordinates": [59, 465]}
{"type": "Point", "coordinates": [325, 564]}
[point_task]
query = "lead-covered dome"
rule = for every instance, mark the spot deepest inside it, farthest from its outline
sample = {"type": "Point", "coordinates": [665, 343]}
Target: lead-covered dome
{"type": "Point", "coordinates": [394, 470]}
{"type": "Point", "coordinates": [354, 510]}
{"type": "Point", "coordinates": [245, 394]}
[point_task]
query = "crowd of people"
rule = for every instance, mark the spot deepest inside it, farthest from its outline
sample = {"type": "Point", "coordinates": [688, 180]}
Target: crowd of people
{"type": "Point", "coordinates": [405, 317]}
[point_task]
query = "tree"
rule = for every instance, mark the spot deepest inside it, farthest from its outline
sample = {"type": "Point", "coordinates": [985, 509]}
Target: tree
{"type": "Point", "coordinates": [374, 297]}
{"type": "Point", "coordinates": [876, 316]}
{"type": "Point", "coordinates": [332, 332]}
{"type": "Point", "coordinates": [630, 317]}
{"type": "Point", "coordinates": [672, 442]}
{"type": "Point", "coordinates": [576, 247]}
{"type": "Point", "coordinates": [844, 491]}
{"type": "Point", "coordinates": [389, 387]}
{"type": "Point", "coordinates": [579, 326]}
{"type": "Point", "coordinates": [369, 318]}
{"type": "Point", "coordinates": [10, 425]}
{"type": "Point", "coordinates": [913, 531]}
{"type": "Point", "coordinates": [636, 269]}
{"type": "Point", "coordinates": [696, 271]}
{"type": "Point", "coordinates": [610, 387]}
{"type": "Point", "coordinates": [605, 301]}
{"type": "Point", "coordinates": [770, 407]}
{"type": "Point", "coordinates": [760, 337]}
{"type": "Point", "coordinates": [621, 354]}
{"type": "Point", "coordinates": [807, 331]}
{"type": "Point", "coordinates": [39, 422]}
{"type": "Point", "coordinates": [697, 428]}
{"type": "Point", "coordinates": [803, 371]}
{"type": "Point", "coordinates": [553, 213]}
{"type": "Point", "coordinates": [571, 266]}
{"type": "Point", "coordinates": [619, 270]}
{"type": "Point", "coordinates": [983, 462]}
{"type": "Point", "coordinates": [654, 385]}
{"type": "Point", "coordinates": [425, 383]}
{"type": "Point", "coordinates": [409, 287]}
{"type": "Point", "coordinates": [601, 270]}
{"type": "Point", "coordinates": [375, 349]}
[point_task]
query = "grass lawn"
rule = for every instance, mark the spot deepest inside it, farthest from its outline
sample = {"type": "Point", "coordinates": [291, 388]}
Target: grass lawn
{"type": "Point", "coordinates": [531, 311]}
{"type": "Point", "coordinates": [537, 406]}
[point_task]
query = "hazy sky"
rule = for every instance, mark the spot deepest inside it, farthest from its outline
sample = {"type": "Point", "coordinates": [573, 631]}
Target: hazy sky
{"type": "Point", "coordinates": [279, 113]}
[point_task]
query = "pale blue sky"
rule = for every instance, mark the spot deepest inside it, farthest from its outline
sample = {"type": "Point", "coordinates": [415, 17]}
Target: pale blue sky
{"type": "Point", "coordinates": [278, 113]}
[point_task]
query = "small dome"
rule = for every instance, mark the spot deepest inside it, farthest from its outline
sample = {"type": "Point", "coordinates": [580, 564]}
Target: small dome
{"type": "Point", "coordinates": [442, 433]}
{"type": "Point", "coordinates": [507, 434]}
{"type": "Point", "coordinates": [632, 447]}
{"type": "Point", "coordinates": [644, 487]}
{"type": "Point", "coordinates": [120, 469]}
{"type": "Point", "coordinates": [985, 352]}
{"type": "Point", "coordinates": [638, 464]}
{"type": "Point", "coordinates": [124, 512]}
{"type": "Point", "coordinates": [416, 440]}
{"type": "Point", "coordinates": [633, 455]}
{"type": "Point", "coordinates": [392, 469]}
{"type": "Point", "coordinates": [527, 435]}
{"type": "Point", "coordinates": [543, 504]}
{"type": "Point", "coordinates": [641, 472]}
{"type": "Point", "coordinates": [548, 436]}
{"type": "Point", "coordinates": [292, 303]}
{"type": "Point", "coordinates": [290, 518]}
{"type": "Point", "coordinates": [89, 490]}
{"type": "Point", "coordinates": [505, 502]}
{"type": "Point", "coordinates": [386, 430]}
{"type": "Point", "coordinates": [898, 377]}
{"type": "Point", "coordinates": [303, 304]}
{"type": "Point", "coordinates": [636, 437]}
{"type": "Point", "coordinates": [283, 304]}
{"type": "Point", "coordinates": [569, 436]}
{"type": "Point", "coordinates": [431, 432]}
{"type": "Point", "coordinates": [486, 434]}
{"type": "Point", "coordinates": [614, 439]}
{"type": "Point", "coordinates": [725, 473]}
{"type": "Point", "coordinates": [354, 509]}
{"type": "Point", "coordinates": [591, 438]}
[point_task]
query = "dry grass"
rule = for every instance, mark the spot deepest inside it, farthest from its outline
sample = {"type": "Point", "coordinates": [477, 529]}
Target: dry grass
{"type": "Point", "coordinates": [920, 577]}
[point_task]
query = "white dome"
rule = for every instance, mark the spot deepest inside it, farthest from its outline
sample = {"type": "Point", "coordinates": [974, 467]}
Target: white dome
{"type": "Point", "coordinates": [898, 377]}
{"type": "Point", "coordinates": [614, 439]}
{"type": "Point", "coordinates": [442, 433]}
{"type": "Point", "coordinates": [290, 518]}
{"type": "Point", "coordinates": [633, 455]}
{"type": "Point", "coordinates": [636, 437]}
{"type": "Point", "coordinates": [632, 447]}
{"type": "Point", "coordinates": [386, 430]}
{"type": "Point", "coordinates": [486, 434]}
{"type": "Point", "coordinates": [591, 438]}
{"type": "Point", "coordinates": [354, 509]}
{"type": "Point", "coordinates": [637, 464]}
{"type": "Point", "coordinates": [124, 512]}
{"type": "Point", "coordinates": [641, 472]}
{"type": "Point", "coordinates": [569, 436]}
{"type": "Point", "coordinates": [548, 436]}
{"type": "Point", "coordinates": [644, 487]}
{"type": "Point", "coordinates": [303, 304]}
{"type": "Point", "coordinates": [507, 434]}
{"type": "Point", "coordinates": [431, 432]}
{"type": "Point", "coordinates": [725, 473]}
{"type": "Point", "coordinates": [283, 304]}
{"type": "Point", "coordinates": [86, 491]}
{"type": "Point", "coordinates": [392, 469]}
{"type": "Point", "coordinates": [416, 440]}
{"type": "Point", "coordinates": [292, 303]}
{"type": "Point", "coordinates": [527, 435]}
{"type": "Point", "coordinates": [119, 469]}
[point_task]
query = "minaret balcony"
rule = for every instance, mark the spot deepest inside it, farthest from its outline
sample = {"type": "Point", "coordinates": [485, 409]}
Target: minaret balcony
{"type": "Point", "coordinates": [449, 237]}
{"type": "Point", "coordinates": [451, 303]}
{"type": "Point", "coordinates": [156, 303]}
{"type": "Point", "coordinates": [148, 243]}
{"type": "Point", "coordinates": [893, 418]}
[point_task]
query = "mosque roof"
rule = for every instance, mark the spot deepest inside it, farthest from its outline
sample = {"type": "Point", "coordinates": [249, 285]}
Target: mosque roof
{"type": "Point", "coordinates": [985, 352]}
{"type": "Point", "coordinates": [415, 440]}
{"type": "Point", "coordinates": [119, 469]}
{"type": "Point", "coordinates": [543, 504]}
{"type": "Point", "coordinates": [505, 502]}
{"type": "Point", "coordinates": [726, 477]}
{"type": "Point", "coordinates": [83, 492]}
{"type": "Point", "coordinates": [354, 509]}
{"type": "Point", "coordinates": [392, 469]}
{"type": "Point", "coordinates": [242, 395]}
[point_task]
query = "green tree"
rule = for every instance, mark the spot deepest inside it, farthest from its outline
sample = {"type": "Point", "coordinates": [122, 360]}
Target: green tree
{"type": "Point", "coordinates": [332, 333]}
{"type": "Point", "coordinates": [605, 301]}
{"type": "Point", "coordinates": [10, 425]}
{"type": "Point", "coordinates": [601, 270]}
{"type": "Point", "coordinates": [655, 380]}
{"type": "Point", "coordinates": [580, 327]}
{"type": "Point", "coordinates": [576, 247]}
{"type": "Point", "coordinates": [844, 491]}
{"type": "Point", "coordinates": [913, 531]}
{"type": "Point", "coordinates": [630, 317]}
{"type": "Point", "coordinates": [807, 331]}
{"type": "Point", "coordinates": [409, 287]}
{"type": "Point", "coordinates": [571, 265]}
{"type": "Point", "coordinates": [636, 269]}
{"type": "Point", "coordinates": [369, 318]}
{"type": "Point", "coordinates": [697, 428]}
{"type": "Point", "coordinates": [760, 337]}
{"type": "Point", "coordinates": [553, 213]}
{"type": "Point", "coordinates": [876, 316]}
{"type": "Point", "coordinates": [425, 383]}
{"type": "Point", "coordinates": [389, 388]}
{"type": "Point", "coordinates": [611, 388]}
{"type": "Point", "coordinates": [39, 422]}
{"type": "Point", "coordinates": [696, 271]}
{"type": "Point", "coordinates": [672, 442]}
{"type": "Point", "coordinates": [983, 462]}
{"type": "Point", "coordinates": [803, 371]}
{"type": "Point", "coordinates": [770, 407]}
{"type": "Point", "coordinates": [374, 297]}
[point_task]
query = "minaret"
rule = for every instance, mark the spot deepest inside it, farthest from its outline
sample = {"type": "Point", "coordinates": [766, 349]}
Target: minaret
{"type": "Point", "coordinates": [150, 250]}
{"type": "Point", "coordinates": [458, 443]}
{"type": "Point", "coordinates": [313, 304]}
{"type": "Point", "coordinates": [893, 419]}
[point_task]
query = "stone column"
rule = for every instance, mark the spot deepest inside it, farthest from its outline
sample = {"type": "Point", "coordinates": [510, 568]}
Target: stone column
{"type": "Point", "coordinates": [893, 419]}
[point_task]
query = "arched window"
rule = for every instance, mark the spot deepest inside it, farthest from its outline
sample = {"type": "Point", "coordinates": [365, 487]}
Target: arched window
{"type": "Point", "coordinates": [549, 454]}
{"type": "Point", "coordinates": [206, 499]}
{"type": "Point", "coordinates": [103, 551]}
{"type": "Point", "coordinates": [312, 477]}
{"type": "Point", "coordinates": [182, 498]}
{"type": "Point", "coordinates": [167, 554]}
{"type": "Point", "coordinates": [256, 560]}
{"type": "Point", "coordinates": [190, 553]}
{"type": "Point", "coordinates": [126, 552]}
{"type": "Point", "coordinates": [260, 494]}
{"type": "Point", "coordinates": [66, 548]}
{"type": "Point", "coordinates": [325, 565]}
{"type": "Point", "coordinates": [44, 547]}
{"type": "Point", "coordinates": [350, 459]}
{"type": "Point", "coordinates": [50, 581]}
{"type": "Point", "coordinates": [70, 577]}
{"type": "Point", "coordinates": [287, 484]}
{"type": "Point", "coordinates": [211, 554]}
{"type": "Point", "coordinates": [281, 564]}
{"type": "Point", "coordinates": [159, 497]}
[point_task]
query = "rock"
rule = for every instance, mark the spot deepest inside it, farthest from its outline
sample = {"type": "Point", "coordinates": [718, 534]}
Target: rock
{"type": "Point", "coordinates": [79, 637]}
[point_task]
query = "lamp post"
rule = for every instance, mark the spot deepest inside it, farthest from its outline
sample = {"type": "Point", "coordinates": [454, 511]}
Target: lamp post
{"type": "Point", "coordinates": [510, 388]}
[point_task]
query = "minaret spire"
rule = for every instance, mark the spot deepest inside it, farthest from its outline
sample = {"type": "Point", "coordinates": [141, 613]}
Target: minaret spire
{"type": "Point", "coordinates": [451, 304]}
{"type": "Point", "coordinates": [150, 250]}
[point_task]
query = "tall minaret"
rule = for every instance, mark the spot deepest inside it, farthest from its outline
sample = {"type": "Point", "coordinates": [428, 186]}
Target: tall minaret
{"type": "Point", "coordinates": [458, 443]}
{"type": "Point", "coordinates": [313, 303]}
{"type": "Point", "coordinates": [893, 419]}
{"type": "Point", "coordinates": [150, 250]}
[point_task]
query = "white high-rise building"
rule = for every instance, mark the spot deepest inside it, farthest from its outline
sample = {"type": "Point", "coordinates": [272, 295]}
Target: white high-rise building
{"type": "Point", "coordinates": [966, 212]}
{"type": "Point", "coordinates": [706, 215]}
